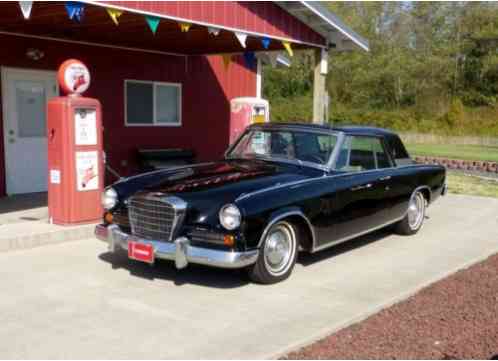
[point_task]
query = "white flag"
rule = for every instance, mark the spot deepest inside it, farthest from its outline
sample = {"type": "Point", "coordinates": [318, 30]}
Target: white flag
{"type": "Point", "coordinates": [242, 37]}
{"type": "Point", "coordinates": [213, 31]}
{"type": "Point", "coordinates": [26, 7]}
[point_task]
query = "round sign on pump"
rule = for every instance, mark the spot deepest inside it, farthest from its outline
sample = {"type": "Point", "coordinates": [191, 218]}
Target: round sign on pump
{"type": "Point", "coordinates": [73, 77]}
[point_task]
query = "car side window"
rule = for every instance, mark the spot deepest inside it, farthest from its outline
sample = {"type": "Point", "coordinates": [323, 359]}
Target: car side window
{"type": "Point", "coordinates": [362, 153]}
{"type": "Point", "coordinates": [398, 151]}
{"type": "Point", "coordinates": [381, 155]}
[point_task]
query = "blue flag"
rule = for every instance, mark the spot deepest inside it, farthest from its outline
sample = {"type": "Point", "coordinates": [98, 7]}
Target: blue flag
{"type": "Point", "coordinates": [75, 10]}
{"type": "Point", "coordinates": [249, 58]}
{"type": "Point", "coordinates": [266, 42]}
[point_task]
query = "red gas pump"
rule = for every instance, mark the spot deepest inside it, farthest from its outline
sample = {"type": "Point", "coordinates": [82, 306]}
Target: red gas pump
{"type": "Point", "coordinates": [75, 150]}
{"type": "Point", "coordinates": [246, 111]}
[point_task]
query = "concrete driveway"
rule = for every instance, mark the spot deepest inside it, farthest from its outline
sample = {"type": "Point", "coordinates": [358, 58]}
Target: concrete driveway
{"type": "Point", "coordinates": [74, 300]}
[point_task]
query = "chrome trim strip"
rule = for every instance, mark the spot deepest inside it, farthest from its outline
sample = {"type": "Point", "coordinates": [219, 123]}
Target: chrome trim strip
{"type": "Point", "coordinates": [285, 215]}
{"type": "Point", "coordinates": [277, 186]}
{"type": "Point", "coordinates": [179, 251]}
{"type": "Point", "coordinates": [294, 183]}
{"type": "Point", "coordinates": [355, 235]}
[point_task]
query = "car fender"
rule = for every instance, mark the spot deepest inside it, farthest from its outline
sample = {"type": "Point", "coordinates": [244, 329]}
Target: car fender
{"type": "Point", "coordinates": [284, 213]}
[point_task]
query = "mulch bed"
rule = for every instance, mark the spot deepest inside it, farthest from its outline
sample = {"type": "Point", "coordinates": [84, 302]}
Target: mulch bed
{"type": "Point", "coordinates": [455, 318]}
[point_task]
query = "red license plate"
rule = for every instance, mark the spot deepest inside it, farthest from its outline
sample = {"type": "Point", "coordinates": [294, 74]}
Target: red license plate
{"type": "Point", "coordinates": [141, 252]}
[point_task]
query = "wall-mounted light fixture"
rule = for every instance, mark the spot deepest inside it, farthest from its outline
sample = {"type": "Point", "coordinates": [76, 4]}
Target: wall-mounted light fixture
{"type": "Point", "coordinates": [34, 54]}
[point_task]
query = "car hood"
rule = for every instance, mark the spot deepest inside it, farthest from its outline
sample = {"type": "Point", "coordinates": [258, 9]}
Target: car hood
{"type": "Point", "coordinates": [207, 187]}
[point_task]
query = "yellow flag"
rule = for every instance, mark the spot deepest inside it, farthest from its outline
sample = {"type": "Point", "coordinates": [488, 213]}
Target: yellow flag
{"type": "Point", "coordinates": [185, 27]}
{"type": "Point", "coordinates": [227, 58]}
{"type": "Point", "coordinates": [114, 14]}
{"type": "Point", "coordinates": [288, 47]}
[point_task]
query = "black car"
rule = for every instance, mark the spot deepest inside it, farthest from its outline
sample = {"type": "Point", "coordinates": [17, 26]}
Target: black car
{"type": "Point", "coordinates": [280, 189]}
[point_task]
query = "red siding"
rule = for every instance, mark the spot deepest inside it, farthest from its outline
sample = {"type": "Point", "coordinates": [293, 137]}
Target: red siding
{"type": "Point", "coordinates": [206, 90]}
{"type": "Point", "coordinates": [263, 17]}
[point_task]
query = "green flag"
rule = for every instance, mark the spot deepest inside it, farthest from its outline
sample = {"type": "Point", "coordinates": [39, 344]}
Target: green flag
{"type": "Point", "coordinates": [153, 22]}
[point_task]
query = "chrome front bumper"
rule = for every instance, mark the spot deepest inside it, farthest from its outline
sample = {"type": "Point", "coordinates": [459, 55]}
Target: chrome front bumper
{"type": "Point", "coordinates": [179, 251]}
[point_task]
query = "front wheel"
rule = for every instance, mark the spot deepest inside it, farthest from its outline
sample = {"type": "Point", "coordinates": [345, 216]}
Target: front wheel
{"type": "Point", "coordinates": [415, 216]}
{"type": "Point", "coordinates": [277, 255]}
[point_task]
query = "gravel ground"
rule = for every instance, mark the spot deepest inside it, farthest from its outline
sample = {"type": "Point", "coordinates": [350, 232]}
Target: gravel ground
{"type": "Point", "coordinates": [455, 318]}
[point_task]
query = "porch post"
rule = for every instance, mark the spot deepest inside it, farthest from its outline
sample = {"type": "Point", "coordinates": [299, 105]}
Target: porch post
{"type": "Point", "coordinates": [319, 95]}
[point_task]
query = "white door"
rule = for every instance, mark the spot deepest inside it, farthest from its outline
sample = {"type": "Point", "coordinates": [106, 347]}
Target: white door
{"type": "Point", "coordinates": [24, 96]}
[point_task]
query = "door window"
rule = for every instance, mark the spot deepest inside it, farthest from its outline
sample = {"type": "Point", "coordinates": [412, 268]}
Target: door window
{"type": "Point", "coordinates": [361, 154]}
{"type": "Point", "coordinates": [30, 106]}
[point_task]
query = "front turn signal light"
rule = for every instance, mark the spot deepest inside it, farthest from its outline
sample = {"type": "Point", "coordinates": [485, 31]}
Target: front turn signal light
{"type": "Point", "coordinates": [229, 240]}
{"type": "Point", "coordinates": [108, 217]}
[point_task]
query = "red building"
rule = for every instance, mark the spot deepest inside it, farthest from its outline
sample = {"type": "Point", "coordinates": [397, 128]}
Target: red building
{"type": "Point", "coordinates": [170, 89]}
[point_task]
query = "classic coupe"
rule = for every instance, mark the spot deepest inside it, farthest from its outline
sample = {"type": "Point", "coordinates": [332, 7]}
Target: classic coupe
{"type": "Point", "coordinates": [280, 189]}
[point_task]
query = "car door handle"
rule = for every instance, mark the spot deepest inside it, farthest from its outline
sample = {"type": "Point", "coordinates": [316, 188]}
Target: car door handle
{"type": "Point", "coordinates": [365, 186]}
{"type": "Point", "coordinates": [387, 177]}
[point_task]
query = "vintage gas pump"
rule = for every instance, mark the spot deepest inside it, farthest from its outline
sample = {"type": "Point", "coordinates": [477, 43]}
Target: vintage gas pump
{"type": "Point", "coordinates": [75, 154]}
{"type": "Point", "coordinates": [246, 111]}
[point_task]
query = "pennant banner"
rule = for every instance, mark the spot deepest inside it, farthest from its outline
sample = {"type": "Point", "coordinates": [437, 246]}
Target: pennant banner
{"type": "Point", "coordinates": [153, 22]}
{"type": "Point", "coordinates": [26, 7]}
{"type": "Point", "coordinates": [249, 58]}
{"type": "Point", "coordinates": [185, 27]}
{"type": "Point", "coordinates": [75, 10]}
{"type": "Point", "coordinates": [288, 47]}
{"type": "Point", "coordinates": [242, 37]}
{"type": "Point", "coordinates": [114, 14]}
{"type": "Point", "coordinates": [266, 42]}
{"type": "Point", "coordinates": [227, 59]}
{"type": "Point", "coordinates": [213, 31]}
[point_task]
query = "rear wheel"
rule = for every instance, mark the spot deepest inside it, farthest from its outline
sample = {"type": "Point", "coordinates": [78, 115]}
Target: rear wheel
{"type": "Point", "coordinates": [277, 255]}
{"type": "Point", "coordinates": [415, 216]}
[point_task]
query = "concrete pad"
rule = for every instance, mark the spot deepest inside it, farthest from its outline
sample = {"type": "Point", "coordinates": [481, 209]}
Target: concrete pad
{"type": "Point", "coordinates": [75, 300]}
{"type": "Point", "coordinates": [24, 224]}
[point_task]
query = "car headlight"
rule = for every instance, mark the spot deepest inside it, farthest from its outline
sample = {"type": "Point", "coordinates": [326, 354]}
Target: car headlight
{"type": "Point", "coordinates": [230, 217]}
{"type": "Point", "coordinates": [109, 198]}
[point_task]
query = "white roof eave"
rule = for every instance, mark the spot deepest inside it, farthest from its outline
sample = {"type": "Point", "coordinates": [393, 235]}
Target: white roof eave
{"type": "Point", "coordinates": [327, 24]}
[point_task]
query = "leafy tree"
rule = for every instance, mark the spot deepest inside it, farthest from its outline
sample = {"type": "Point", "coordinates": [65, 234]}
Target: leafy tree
{"type": "Point", "coordinates": [428, 62]}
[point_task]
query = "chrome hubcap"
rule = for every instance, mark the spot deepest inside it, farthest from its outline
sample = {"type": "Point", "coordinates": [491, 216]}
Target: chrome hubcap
{"type": "Point", "coordinates": [279, 249]}
{"type": "Point", "coordinates": [416, 211]}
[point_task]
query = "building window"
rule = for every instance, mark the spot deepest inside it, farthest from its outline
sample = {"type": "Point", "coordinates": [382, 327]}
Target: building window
{"type": "Point", "coordinates": [153, 103]}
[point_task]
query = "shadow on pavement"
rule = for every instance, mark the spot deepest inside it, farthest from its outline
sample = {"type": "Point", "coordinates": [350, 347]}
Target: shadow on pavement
{"type": "Point", "coordinates": [165, 270]}
{"type": "Point", "coordinates": [307, 259]}
{"type": "Point", "coordinates": [224, 278]}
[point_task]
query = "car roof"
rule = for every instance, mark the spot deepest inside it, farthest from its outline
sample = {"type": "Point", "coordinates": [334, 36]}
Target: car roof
{"type": "Point", "coordinates": [347, 129]}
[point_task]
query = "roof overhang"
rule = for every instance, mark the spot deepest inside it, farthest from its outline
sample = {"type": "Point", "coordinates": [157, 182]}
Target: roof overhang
{"type": "Point", "coordinates": [319, 18]}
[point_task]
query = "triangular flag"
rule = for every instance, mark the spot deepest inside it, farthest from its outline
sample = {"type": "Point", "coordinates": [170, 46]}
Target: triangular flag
{"type": "Point", "coordinates": [114, 14]}
{"type": "Point", "coordinates": [75, 10]}
{"type": "Point", "coordinates": [227, 58]}
{"type": "Point", "coordinates": [288, 47]}
{"type": "Point", "coordinates": [249, 58]}
{"type": "Point", "coordinates": [213, 31]}
{"type": "Point", "coordinates": [185, 27]}
{"type": "Point", "coordinates": [26, 7]}
{"type": "Point", "coordinates": [242, 37]}
{"type": "Point", "coordinates": [153, 22]}
{"type": "Point", "coordinates": [266, 42]}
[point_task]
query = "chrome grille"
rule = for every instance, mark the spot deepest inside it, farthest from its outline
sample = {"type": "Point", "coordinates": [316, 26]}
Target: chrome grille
{"type": "Point", "coordinates": [155, 217]}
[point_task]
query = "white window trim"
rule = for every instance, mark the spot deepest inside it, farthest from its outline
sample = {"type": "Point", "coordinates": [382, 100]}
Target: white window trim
{"type": "Point", "coordinates": [154, 120]}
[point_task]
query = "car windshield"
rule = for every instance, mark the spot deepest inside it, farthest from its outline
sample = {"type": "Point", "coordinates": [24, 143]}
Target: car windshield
{"type": "Point", "coordinates": [300, 146]}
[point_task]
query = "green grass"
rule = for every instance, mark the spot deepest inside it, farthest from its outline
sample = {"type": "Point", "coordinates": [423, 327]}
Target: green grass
{"type": "Point", "coordinates": [462, 184]}
{"type": "Point", "coordinates": [455, 151]}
